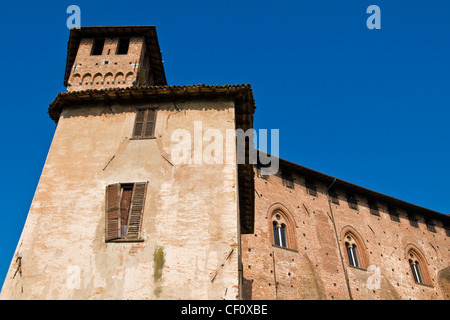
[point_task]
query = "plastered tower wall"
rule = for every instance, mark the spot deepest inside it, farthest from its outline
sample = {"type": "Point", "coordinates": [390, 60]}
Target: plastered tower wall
{"type": "Point", "coordinates": [114, 216]}
{"type": "Point", "coordinates": [189, 227]}
{"type": "Point", "coordinates": [315, 263]}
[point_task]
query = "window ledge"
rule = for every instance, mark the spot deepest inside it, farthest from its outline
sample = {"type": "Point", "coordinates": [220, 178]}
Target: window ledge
{"type": "Point", "coordinates": [125, 240]}
{"type": "Point", "coordinates": [358, 268]}
{"type": "Point", "coordinates": [288, 249]}
{"type": "Point", "coordinates": [424, 284]}
{"type": "Point", "coordinates": [146, 138]}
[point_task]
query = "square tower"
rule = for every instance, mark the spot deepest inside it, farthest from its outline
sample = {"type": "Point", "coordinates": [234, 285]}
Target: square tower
{"type": "Point", "coordinates": [113, 57]}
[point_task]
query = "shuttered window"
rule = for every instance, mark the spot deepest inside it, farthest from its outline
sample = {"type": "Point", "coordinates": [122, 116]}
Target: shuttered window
{"type": "Point", "coordinates": [112, 212]}
{"type": "Point", "coordinates": [124, 210]}
{"type": "Point", "coordinates": [144, 126]}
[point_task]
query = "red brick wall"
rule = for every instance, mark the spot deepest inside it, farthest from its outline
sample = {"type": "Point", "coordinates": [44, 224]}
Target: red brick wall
{"type": "Point", "coordinates": [316, 264]}
{"type": "Point", "coordinates": [108, 70]}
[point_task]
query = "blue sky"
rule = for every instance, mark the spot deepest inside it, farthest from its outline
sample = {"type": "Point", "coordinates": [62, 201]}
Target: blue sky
{"type": "Point", "coordinates": [367, 106]}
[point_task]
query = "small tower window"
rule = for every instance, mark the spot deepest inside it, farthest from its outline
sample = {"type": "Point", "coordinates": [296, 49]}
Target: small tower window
{"type": "Point", "coordinates": [122, 47]}
{"type": "Point", "coordinates": [97, 48]}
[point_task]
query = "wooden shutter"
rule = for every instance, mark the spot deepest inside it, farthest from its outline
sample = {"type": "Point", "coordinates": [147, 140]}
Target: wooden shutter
{"type": "Point", "coordinates": [112, 212]}
{"type": "Point", "coordinates": [145, 123]}
{"type": "Point", "coordinates": [150, 123]}
{"type": "Point", "coordinates": [139, 124]}
{"type": "Point", "coordinates": [136, 211]}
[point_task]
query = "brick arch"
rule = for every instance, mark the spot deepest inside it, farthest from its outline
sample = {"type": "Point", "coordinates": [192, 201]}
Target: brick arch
{"type": "Point", "coordinates": [360, 244]}
{"type": "Point", "coordinates": [98, 78]}
{"type": "Point", "coordinates": [279, 206]}
{"type": "Point", "coordinates": [87, 78]}
{"type": "Point", "coordinates": [76, 78]}
{"type": "Point", "coordinates": [119, 78]}
{"type": "Point", "coordinates": [108, 79]}
{"type": "Point", "coordinates": [420, 256]}
{"type": "Point", "coordinates": [129, 78]}
{"type": "Point", "coordinates": [288, 220]}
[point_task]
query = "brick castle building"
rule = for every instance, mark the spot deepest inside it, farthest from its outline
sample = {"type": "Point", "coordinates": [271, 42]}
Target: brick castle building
{"type": "Point", "coordinates": [113, 217]}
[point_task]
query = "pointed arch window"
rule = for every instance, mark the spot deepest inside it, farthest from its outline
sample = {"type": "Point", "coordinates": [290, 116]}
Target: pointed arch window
{"type": "Point", "coordinates": [282, 230]}
{"type": "Point", "coordinates": [417, 265]}
{"type": "Point", "coordinates": [355, 249]}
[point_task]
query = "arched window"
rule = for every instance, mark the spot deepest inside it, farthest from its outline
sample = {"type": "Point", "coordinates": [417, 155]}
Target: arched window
{"type": "Point", "coordinates": [418, 267]}
{"type": "Point", "coordinates": [415, 268]}
{"type": "Point", "coordinates": [417, 264]}
{"type": "Point", "coordinates": [355, 248]}
{"type": "Point", "coordinates": [279, 234]}
{"type": "Point", "coordinates": [282, 226]}
{"type": "Point", "coordinates": [352, 251]}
